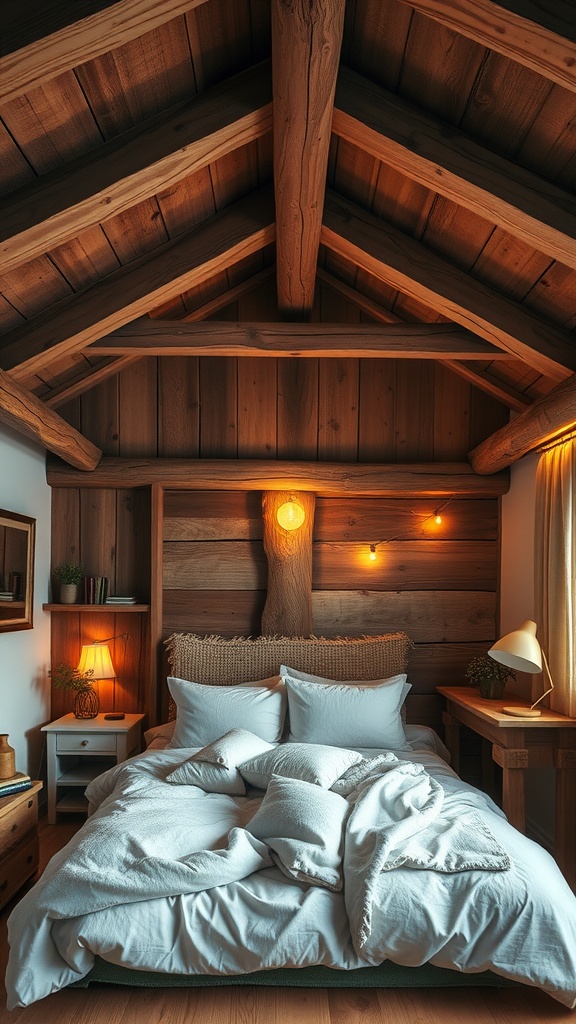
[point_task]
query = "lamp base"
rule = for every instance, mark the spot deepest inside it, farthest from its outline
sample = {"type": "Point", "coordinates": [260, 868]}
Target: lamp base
{"type": "Point", "coordinates": [523, 712]}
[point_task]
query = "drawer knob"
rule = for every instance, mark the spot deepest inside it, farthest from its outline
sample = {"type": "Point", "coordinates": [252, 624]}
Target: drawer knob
{"type": "Point", "coordinates": [4, 885]}
{"type": "Point", "coordinates": [14, 826]}
{"type": "Point", "coordinates": [84, 743]}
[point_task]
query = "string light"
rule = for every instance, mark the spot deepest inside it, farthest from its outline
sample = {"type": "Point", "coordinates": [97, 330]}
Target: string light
{"type": "Point", "coordinates": [435, 515]}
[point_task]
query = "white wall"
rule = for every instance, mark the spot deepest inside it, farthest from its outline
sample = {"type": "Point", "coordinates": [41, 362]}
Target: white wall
{"type": "Point", "coordinates": [25, 654]}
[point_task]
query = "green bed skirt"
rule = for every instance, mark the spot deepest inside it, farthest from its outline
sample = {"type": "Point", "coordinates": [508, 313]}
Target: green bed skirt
{"type": "Point", "coordinates": [387, 975]}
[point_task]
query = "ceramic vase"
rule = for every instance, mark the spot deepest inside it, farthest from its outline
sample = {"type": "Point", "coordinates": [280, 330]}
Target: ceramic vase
{"type": "Point", "coordinates": [7, 758]}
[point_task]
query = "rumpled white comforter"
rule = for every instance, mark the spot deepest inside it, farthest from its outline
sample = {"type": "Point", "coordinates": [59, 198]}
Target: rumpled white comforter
{"type": "Point", "coordinates": [169, 878]}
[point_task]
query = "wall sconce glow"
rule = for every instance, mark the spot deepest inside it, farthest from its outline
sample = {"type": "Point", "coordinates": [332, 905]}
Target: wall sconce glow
{"type": "Point", "coordinates": [372, 555]}
{"type": "Point", "coordinates": [290, 515]}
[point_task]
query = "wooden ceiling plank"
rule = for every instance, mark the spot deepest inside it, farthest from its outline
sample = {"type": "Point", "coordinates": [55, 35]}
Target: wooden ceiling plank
{"type": "Point", "coordinates": [499, 390]}
{"type": "Point", "coordinates": [50, 47]}
{"type": "Point", "coordinates": [330, 478]}
{"type": "Point", "coordinates": [134, 166]}
{"type": "Point", "coordinates": [22, 411]}
{"type": "Point", "coordinates": [406, 264]}
{"type": "Point", "coordinates": [541, 38]}
{"type": "Point", "coordinates": [243, 228]}
{"type": "Point", "coordinates": [547, 418]}
{"type": "Point", "coordinates": [367, 305]}
{"type": "Point", "coordinates": [306, 42]}
{"type": "Point", "coordinates": [442, 159]}
{"type": "Point", "coordinates": [146, 337]}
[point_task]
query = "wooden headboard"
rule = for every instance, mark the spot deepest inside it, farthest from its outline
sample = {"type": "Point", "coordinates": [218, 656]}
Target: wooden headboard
{"type": "Point", "coordinates": [220, 661]}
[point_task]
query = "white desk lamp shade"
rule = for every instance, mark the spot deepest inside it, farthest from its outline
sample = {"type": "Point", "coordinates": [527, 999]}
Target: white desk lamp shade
{"type": "Point", "coordinates": [96, 658]}
{"type": "Point", "coordinates": [519, 650]}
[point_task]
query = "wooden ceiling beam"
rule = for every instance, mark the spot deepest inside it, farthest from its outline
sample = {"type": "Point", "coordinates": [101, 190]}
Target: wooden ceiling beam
{"type": "Point", "coordinates": [333, 478]}
{"type": "Point", "coordinates": [128, 169]}
{"type": "Point", "coordinates": [22, 411]}
{"type": "Point", "coordinates": [547, 418]}
{"type": "Point", "coordinates": [442, 159]}
{"type": "Point", "coordinates": [165, 272]}
{"type": "Point", "coordinates": [404, 263]}
{"type": "Point", "coordinates": [306, 41]}
{"type": "Point", "coordinates": [146, 337]}
{"type": "Point", "coordinates": [508, 395]}
{"type": "Point", "coordinates": [498, 389]}
{"type": "Point", "coordinates": [541, 38]}
{"type": "Point", "coordinates": [73, 389]}
{"type": "Point", "coordinates": [62, 35]}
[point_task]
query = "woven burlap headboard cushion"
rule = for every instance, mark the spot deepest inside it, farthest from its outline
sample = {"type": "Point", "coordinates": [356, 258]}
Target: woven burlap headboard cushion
{"type": "Point", "coordinates": [219, 661]}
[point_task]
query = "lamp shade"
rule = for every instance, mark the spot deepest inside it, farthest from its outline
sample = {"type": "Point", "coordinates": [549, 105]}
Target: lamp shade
{"type": "Point", "coordinates": [96, 658]}
{"type": "Point", "coordinates": [519, 650]}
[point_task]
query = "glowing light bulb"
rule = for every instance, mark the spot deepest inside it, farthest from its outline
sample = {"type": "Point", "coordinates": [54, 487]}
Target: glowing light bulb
{"type": "Point", "coordinates": [290, 515]}
{"type": "Point", "coordinates": [372, 555]}
{"type": "Point", "coordinates": [437, 519]}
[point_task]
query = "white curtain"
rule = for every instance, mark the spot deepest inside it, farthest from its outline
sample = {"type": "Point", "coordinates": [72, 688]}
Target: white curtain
{"type": "Point", "coordinates": [555, 570]}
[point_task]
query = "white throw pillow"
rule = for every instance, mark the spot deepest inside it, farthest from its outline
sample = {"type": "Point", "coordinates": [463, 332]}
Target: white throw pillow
{"type": "Point", "coordinates": [204, 713]}
{"type": "Point", "coordinates": [318, 764]}
{"type": "Point", "coordinates": [212, 778]}
{"type": "Point", "coordinates": [233, 748]}
{"type": "Point", "coordinates": [303, 826]}
{"type": "Point", "coordinates": [347, 714]}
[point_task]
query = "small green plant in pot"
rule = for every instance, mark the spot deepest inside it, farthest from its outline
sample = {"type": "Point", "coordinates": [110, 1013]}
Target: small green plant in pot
{"type": "Point", "coordinates": [489, 676]}
{"type": "Point", "coordinates": [69, 576]}
{"type": "Point", "coordinates": [86, 702]}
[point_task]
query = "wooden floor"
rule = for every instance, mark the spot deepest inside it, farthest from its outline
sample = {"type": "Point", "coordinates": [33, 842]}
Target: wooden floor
{"type": "Point", "coordinates": [107, 1004]}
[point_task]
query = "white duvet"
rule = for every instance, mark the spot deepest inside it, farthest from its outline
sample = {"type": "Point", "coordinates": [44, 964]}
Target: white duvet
{"type": "Point", "coordinates": [170, 878]}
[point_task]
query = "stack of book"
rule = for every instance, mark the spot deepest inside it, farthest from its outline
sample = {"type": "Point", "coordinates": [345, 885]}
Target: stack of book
{"type": "Point", "coordinates": [15, 784]}
{"type": "Point", "coordinates": [95, 589]}
{"type": "Point", "coordinates": [121, 600]}
{"type": "Point", "coordinates": [6, 595]}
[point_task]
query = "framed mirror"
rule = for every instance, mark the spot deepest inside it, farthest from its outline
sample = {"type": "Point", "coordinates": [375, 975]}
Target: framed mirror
{"type": "Point", "coordinates": [17, 534]}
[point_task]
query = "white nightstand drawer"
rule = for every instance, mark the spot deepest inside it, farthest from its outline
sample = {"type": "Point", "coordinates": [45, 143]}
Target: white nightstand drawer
{"type": "Point", "coordinates": [86, 742]}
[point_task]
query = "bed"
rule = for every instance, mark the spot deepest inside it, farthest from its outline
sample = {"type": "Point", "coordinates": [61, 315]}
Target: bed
{"type": "Point", "coordinates": [286, 822]}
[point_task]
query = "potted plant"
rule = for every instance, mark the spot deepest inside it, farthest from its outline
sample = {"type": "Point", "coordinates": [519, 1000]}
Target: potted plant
{"type": "Point", "coordinates": [86, 702]}
{"type": "Point", "coordinates": [489, 676]}
{"type": "Point", "coordinates": [69, 576]}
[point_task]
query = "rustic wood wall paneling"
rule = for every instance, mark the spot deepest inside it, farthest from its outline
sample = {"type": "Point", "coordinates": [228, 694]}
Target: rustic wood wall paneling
{"type": "Point", "coordinates": [219, 408]}
{"type": "Point", "coordinates": [257, 430]}
{"type": "Point", "coordinates": [377, 410]}
{"type": "Point", "coordinates": [179, 407]}
{"type": "Point", "coordinates": [298, 408]}
{"type": "Point", "coordinates": [338, 410]}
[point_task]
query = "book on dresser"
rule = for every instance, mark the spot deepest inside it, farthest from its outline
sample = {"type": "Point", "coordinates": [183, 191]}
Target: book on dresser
{"type": "Point", "coordinates": [17, 783]}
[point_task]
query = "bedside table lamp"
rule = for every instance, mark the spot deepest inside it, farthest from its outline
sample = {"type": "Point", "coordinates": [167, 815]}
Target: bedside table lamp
{"type": "Point", "coordinates": [521, 651]}
{"type": "Point", "coordinates": [95, 658]}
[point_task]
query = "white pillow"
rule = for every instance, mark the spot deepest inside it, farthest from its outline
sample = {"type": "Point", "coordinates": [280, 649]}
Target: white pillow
{"type": "Point", "coordinates": [348, 714]}
{"type": "Point", "coordinates": [204, 713]}
{"type": "Point", "coordinates": [212, 778]}
{"type": "Point", "coordinates": [314, 763]}
{"type": "Point", "coordinates": [230, 750]}
{"type": "Point", "coordinates": [303, 826]}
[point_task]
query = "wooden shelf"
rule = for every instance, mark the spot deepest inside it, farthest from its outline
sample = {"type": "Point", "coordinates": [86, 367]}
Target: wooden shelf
{"type": "Point", "coordinates": [110, 608]}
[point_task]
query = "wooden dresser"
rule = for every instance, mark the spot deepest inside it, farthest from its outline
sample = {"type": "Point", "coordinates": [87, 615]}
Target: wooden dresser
{"type": "Point", "coordinates": [18, 840]}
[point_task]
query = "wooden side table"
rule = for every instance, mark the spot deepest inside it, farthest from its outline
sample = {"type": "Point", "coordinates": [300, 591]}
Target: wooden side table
{"type": "Point", "coordinates": [517, 744]}
{"type": "Point", "coordinates": [19, 847]}
{"type": "Point", "coordinates": [79, 749]}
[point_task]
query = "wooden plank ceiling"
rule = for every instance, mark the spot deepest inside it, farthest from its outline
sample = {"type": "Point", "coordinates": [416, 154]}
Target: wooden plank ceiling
{"type": "Point", "coordinates": [416, 156]}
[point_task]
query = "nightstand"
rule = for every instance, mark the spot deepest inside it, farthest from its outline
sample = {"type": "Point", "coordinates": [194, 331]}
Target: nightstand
{"type": "Point", "coordinates": [18, 840]}
{"type": "Point", "coordinates": [517, 744]}
{"type": "Point", "coordinates": [79, 749]}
